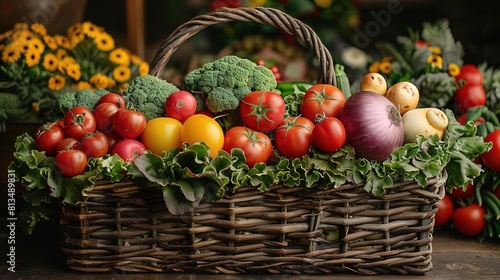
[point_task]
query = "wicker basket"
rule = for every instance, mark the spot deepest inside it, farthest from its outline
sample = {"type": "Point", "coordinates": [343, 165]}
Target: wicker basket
{"type": "Point", "coordinates": [285, 230]}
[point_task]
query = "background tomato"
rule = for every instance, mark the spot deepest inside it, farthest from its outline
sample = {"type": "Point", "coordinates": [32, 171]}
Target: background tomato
{"type": "Point", "coordinates": [470, 95]}
{"type": "Point", "coordinates": [48, 136]}
{"type": "Point", "coordinates": [492, 158]}
{"type": "Point", "coordinates": [256, 145]}
{"type": "Point", "coordinates": [71, 163]}
{"type": "Point", "coordinates": [78, 122]}
{"type": "Point", "coordinates": [329, 135]}
{"type": "Point", "coordinates": [262, 110]}
{"type": "Point", "coordinates": [469, 74]}
{"type": "Point", "coordinates": [128, 149]}
{"type": "Point", "coordinates": [103, 115]}
{"type": "Point", "coordinates": [445, 211]}
{"type": "Point", "coordinates": [129, 124]}
{"type": "Point", "coordinates": [469, 220]}
{"type": "Point", "coordinates": [180, 105]}
{"type": "Point", "coordinates": [322, 99]}
{"type": "Point", "coordinates": [293, 137]}
{"type": "Point", "coordinates": [94, 145]}
{"type": "Point", "coordinates": [459, 193]}
{"type": "Point", "coordinates": [201, 128]}
{"type": "Point", "coordinates": [113, 138]}
{"type": "Point", "coordinates": [162, 134]}
{"type": "Point", "coordinates": [67, 144]}
{"type": "Point", "coordinates": [114, 98]}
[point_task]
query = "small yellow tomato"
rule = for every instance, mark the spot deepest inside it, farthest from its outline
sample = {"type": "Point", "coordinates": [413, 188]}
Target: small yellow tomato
{"type": "Point", "coordinates": [202, 128]}
{"type": "Point", "coordinates": [162, 134]}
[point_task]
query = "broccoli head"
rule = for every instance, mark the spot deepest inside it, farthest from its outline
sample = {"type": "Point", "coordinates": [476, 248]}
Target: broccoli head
{"type": "Point", "coordinates": [227, 80]}
{"type": "Point", "coordinates": [85, 97]}
{"type": "Point", "coordinates": [148, 94]}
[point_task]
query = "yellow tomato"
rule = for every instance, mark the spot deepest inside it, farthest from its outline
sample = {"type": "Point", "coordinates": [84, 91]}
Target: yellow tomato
{"type": "Point", "coordinates": [202, 128]}
{"type": "Point", "coordinates": [162, 134]}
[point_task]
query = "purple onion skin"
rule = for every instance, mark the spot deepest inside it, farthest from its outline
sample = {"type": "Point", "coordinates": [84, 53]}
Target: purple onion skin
{"type": "Point", "coordinates": [373, 125]}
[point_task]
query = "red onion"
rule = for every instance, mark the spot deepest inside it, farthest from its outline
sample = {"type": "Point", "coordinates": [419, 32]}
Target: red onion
{"type": "Point", "coordinates": [373, 125]}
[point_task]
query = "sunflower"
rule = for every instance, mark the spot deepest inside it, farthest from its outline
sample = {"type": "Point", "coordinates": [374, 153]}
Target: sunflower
{"type": "Point", "coordinates": [82, 85]}
{"type": "Point", "coordinates": [50, 62]}
{"type": "Point", "coordinates": [119, 56]}
{"type": "Point", "coordinates": [61, 54]}
{"type": "Point", "coordinates": [90, 29]}
{"type": "Point", "coordinates": [50, 42]}
{"type": "Point", "coordinates": [385, 67]}
{"type": "Point", "coordinates": [74, 29]}
{"type": "Point", "coordinates": [101, 81]}
{"type": "Point", "coordinates": [37, 45]}
{"type": "Point", "coordinates": [143, 68]}
{"type": "Point", "coordinates": [104, 42]}
{"type": "Point", "coordinates": [56, 83]}
{"type": "Point", "coordinates": [453, 69]}
{"type": "Point", "coordinates": [374, 67]}
{"type": "Point", "coordinates": [435, 60]}
{"type": "Point", "coordinates": [22, 45]}
{"type": "Point", "coordinates": [62, 41]}
{"type": "Point", "coordinates": [39, 29]}
{"type": "Point", "coordinates": [73, 70]}
{"type": "Point", "coordinates": [10, 54]}
{"type": "Point", "coordinates": [121, 73]}
{"type": "Point", "coordinates": [32, 57]}
{"type": "Point", "coordinates": [76, 39]}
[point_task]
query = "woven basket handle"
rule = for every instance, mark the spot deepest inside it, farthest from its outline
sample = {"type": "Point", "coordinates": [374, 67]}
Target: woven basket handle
{"type": "Point", "coordinates": [273, 17]}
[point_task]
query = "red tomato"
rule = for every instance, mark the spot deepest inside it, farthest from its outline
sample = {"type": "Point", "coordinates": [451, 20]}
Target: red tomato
{"type": "Point", "coordinates": [469, 220]}
{"type": "Point", "coordinates": [113, 138]}
{"type": "Point", "coordinates": [180, 105]}
{"type": "Point", "coordinates": [67, 144]}
{"type": "Point", "coordinates": [103, 115]}
{"type": "Point", "coordinates": [256, 145]}
{"type": "Point", "coordinates": [322, 99]}
{"type": "Point", "coordinates": [463, 118]}
{"type": "Point", "coordinates": [470, 95]}
{"type": "Point", "coordinates": [492, 158]}
{"type": "Point", "coordinates": [94, 145]}
{"type": "Point", "coordinates": [445, 211]}
{"type": "Point", "coordinates": [262, 110]}
{"type": "Point", "coordinates": [497, 191]}
{"type": "Point", "coordinates": [469, 74]}
{"type": "Point", "coordinates": [71, 162]}
{"type": "Point", "coordinates": [114, 98]}
{"type": "Point", "coordinates": [128, 149]}
{"type": "Point", "coordinates": [329, 135]}
{"type": "Point", "coordinates": [459, 193]}
{"type": "Point", "coordinates": [129, 124]}
{"type": "Point", "coordinates": [78, 122]}
{"type": "Point", "coordinates": [48, 136]}
{"type": "Point", "coordinates": [294, 137]}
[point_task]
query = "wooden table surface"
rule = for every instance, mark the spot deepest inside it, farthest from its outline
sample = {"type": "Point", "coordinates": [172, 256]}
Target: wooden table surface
{"type": "Point", "coordinates": [454, 257]}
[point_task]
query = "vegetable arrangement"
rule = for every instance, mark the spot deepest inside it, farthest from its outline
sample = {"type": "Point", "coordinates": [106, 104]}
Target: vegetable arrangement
{"type": "Point", "coordinates": [305, 138]}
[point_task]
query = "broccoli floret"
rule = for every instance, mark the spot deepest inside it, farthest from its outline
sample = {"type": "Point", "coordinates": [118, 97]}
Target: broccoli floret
{"type": "Point", "coordinates": [68, 100]}
{"type": "Point", "coordinates": [227, 80]}
{"type": "Point", "coordinates": [148, 94]}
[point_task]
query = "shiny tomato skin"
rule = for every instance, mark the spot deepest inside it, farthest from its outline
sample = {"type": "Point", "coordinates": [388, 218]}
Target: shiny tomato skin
{"type": "Point", "coordinates": [459, 193]}
{"type": "Point", "coordinates": [78, 122]}
{"type": "Point", "coordinates": [202, 128]}
{"type": "Point", "coordinates": [262, 110]}
{"type": "Point", "coordinates": [94, 145]}
{"type": "Point", "coordinates": [293, 137]}
{"type": "Point", "coordinates": [256, 145]}
{"type": "Point", "coordinates": [329, 135]}
{"type": "Point", "coordinates": [67, 144]}
{"type": "Point", "coordinates": [469, 74]}
{"type": "Point", "coordinates": [491, 159]}
{"type": "Point", "coordinates": [162, 134]}
{"type": "Point", "coordinates": [322, 99]}
{"type": "Point", "coordinates": [128, 123]}
{"type": "Point", "coordinates": [71, 163]}
{"type": "Point", "coordinates": [180, 105]}
{"type": "Point", "coordinates": [128, 149]}
{"type": "Point", "coordinates": [445, 211]}
{"type": "Point", "coordinates": [47, 137]}
{"type": "Point", "coordinates": [113, 98]}
{"type": "Point", "coordinates": [468, 96]}
{"type": "Point", "coordinates": [103, 115]}
{"type": "Point", "coordinates": [469, 220]}
{"type": "Point", "coordinates": [113, 138]}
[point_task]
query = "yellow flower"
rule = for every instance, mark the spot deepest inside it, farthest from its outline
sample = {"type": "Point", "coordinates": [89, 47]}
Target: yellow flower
{"type": "Point", "coordinates": [39, 28]}
{"type": "Point", "coordinates": [119, 56]}
{"type": "Point", "coordinates": [50, 42]}
{"type": "Point", "coordinates": [36, 44]}
{"type": "Point", "coordinates": [22, 45]}
{"type": "Point", "coordinates": [75, 28]}
{"type": "Point", "coordinates": [2, 47]}
{"type": "Point", "coordinates": [76, 38]}
{"type": "Point", "coordinates": [73, 70]}
{"type": "Point", "coordinates": [90, 29]}
{"type": "Point", "coordinates": [20, 25]}
{"type": "Point", "coordinates": [256, 3]}
{"type": "Point", "coordinates": [50, 62]}
{"type": "Point", "coordinates": [323, 3]}
{"type": "Point", "coordinates": [135, 59]}
{"type": "Point", "coordinates": [387, 58]}
{"type": "Point", "coordinates": [123, 87]}
{"type": "Point", "coordinates": [62, 41]}
{"type": "Point", "coordinates": [101, 81]}
{"type": "Point", "coordinates": [104, 42]}
{"type": "Point", "coordinates": [82, 85]}
{"type": "Point", "coordinates": [143, 68]}
{"type": "Point", "coordinates": [385, 67]}
{"type": "Point", "coordinates": [10, 54]}
{"type": "Point", "coordinates": [23, 34]}
{"type": "Point", "coordinates": [61, 54]}
{"type": "Point", "coordinates": [32, 57]}
{"type": "Point", "coordinates": [121, 74]}
{"type": "Point", "coordinates": [435, 60]}
{"type": "Point", "coordinates": [453, 69]}
{"type": "Point", "coordinates": [374, 67]}
{"type": "Point", "coordinates": [434, 50]}
{"type": "Point", "coordinates": [56, 83]}
{"type": "Point", "coordinates": [6, 34]}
